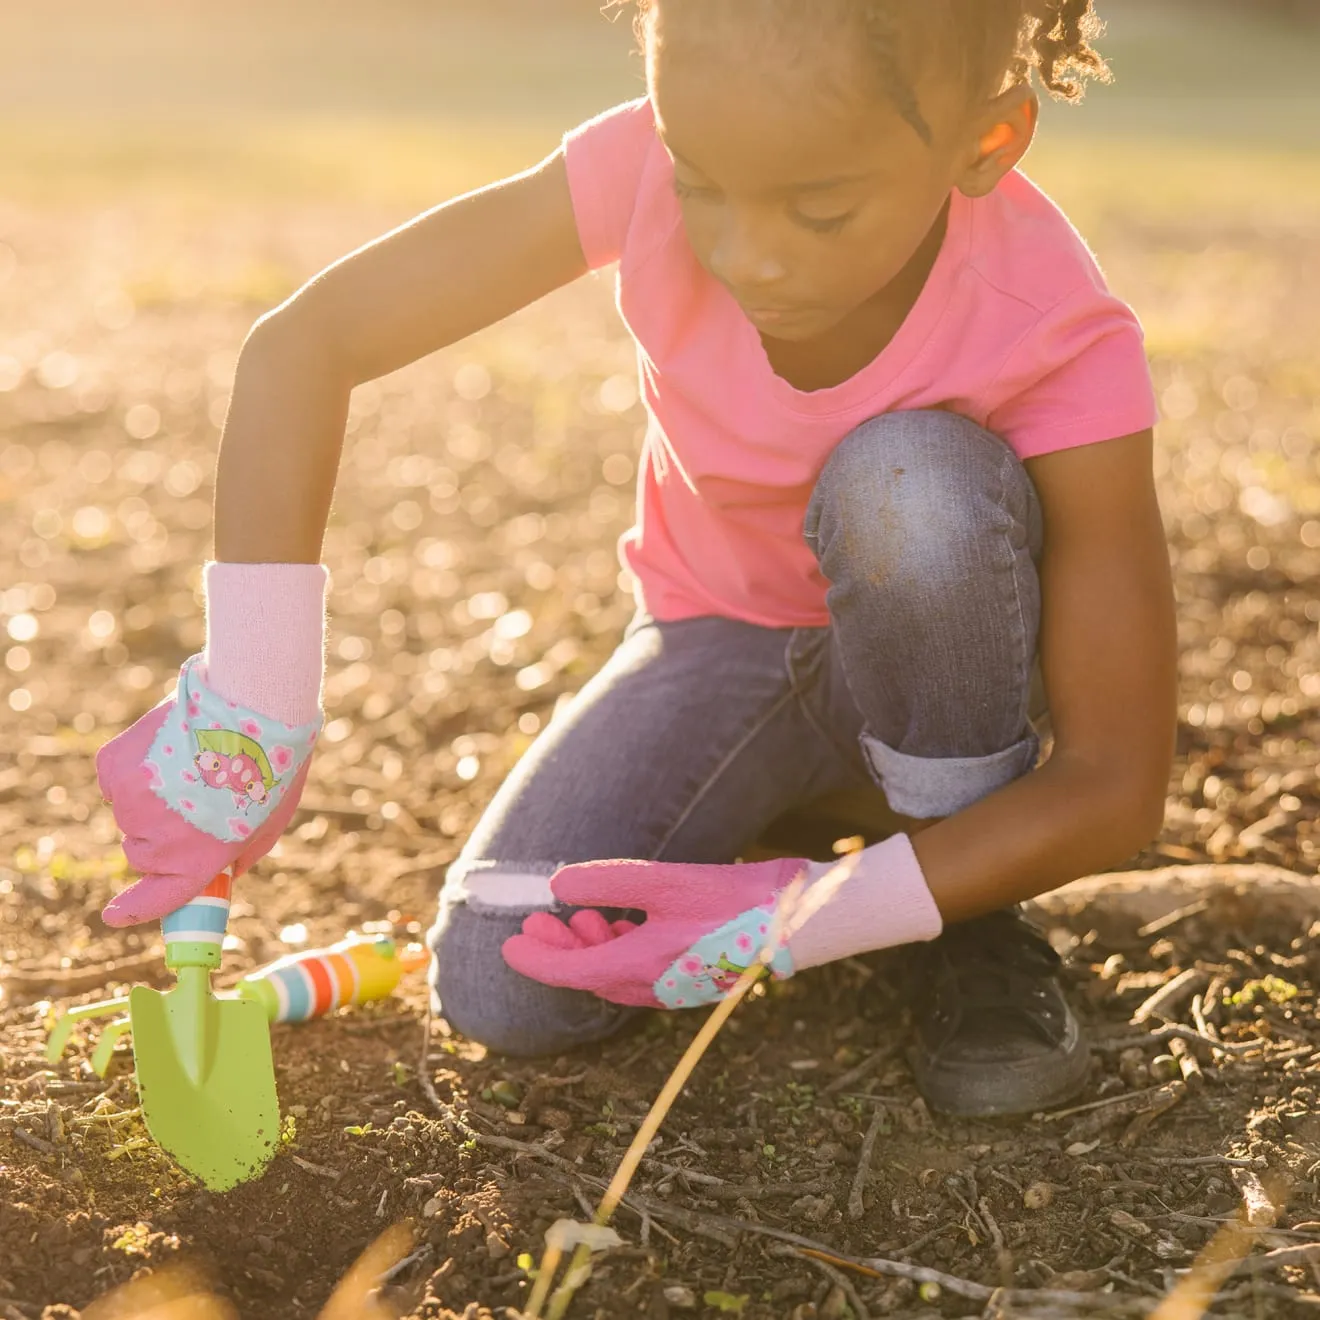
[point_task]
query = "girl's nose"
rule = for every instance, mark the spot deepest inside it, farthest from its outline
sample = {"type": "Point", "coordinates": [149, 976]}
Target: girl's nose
{"type": "Point", "coordinates": [743, 261]}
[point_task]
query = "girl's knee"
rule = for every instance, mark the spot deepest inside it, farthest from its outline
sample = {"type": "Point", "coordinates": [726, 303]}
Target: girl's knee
{"type": "Point", "coordinates": [906, 495]}
{"type": "Point", "coordinates": [484, 999]}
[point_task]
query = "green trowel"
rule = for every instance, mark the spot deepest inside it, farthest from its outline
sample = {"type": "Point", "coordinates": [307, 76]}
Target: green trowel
{"type": "Point", "coordinates": [205, 1074]}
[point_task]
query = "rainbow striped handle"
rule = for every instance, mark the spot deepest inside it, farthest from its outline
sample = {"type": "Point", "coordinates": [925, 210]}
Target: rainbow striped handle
{"type": "Point", "coordinates": [318, 981]}
{"type": "Point", "coordinates": [195, 933]}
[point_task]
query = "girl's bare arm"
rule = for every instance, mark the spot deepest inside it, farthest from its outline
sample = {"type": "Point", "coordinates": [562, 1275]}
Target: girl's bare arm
{"type": "Point", "coordinates": [1108, 649]}
{"type": "Point", "coordinates": [448, 273]}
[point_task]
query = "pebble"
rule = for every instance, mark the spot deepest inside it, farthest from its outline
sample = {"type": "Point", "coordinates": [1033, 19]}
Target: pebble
{"type": "Point", "coordinates": [811, 1208]}
{"type": "Point", "coordinates": [1167, 1247]}
{"type": "Point", "coordinates": [507, 1093]}
{"type": "Point", "coordinates": [1132, 1067]}
{"type": "Point", "coordinates": [835, 1305]}
{"type": "Point", "coordinates": [1164, 1068]}
{"type": "Point", "coordinates": [1128, 1224]}
{"type": "Point", "coordinates": [681, 1298]}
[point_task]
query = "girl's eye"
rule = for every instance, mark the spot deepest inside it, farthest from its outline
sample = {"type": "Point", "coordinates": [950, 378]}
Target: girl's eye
{"type": "Point", "coordinates": [822, 224]}
{"type": "Point", "coordinates": [817, 224]}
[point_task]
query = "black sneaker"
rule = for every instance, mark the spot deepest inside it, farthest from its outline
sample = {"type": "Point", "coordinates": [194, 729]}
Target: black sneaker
{"type": "Point", "coordinates": [995, 1034]}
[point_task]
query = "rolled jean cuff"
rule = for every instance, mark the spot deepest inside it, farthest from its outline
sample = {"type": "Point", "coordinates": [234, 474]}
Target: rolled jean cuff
{"type": "Point", "coordinates": [927, 786]}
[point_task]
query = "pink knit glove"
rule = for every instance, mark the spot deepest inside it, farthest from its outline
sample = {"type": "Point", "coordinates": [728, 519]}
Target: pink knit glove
{"type": "Point", "coordinates": [209, 779]}
{"type": "Point", "coordinates": [198, 785]}
{"type": "Point", "coordinates": [706, 924]}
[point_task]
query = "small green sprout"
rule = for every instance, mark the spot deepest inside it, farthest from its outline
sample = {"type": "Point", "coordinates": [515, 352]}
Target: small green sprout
{"type": "Point", "coordinates": [727, 1303]}
{"type": "Point", "coordinates": [1272, 988]}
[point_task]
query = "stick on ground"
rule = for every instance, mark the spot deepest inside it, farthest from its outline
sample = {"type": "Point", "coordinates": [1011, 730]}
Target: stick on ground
{"type": "Point", "coordinates": [856, 1207]}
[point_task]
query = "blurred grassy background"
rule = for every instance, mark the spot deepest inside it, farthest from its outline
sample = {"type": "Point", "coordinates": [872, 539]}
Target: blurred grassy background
{"type": "Point", "coordinates": [408, 101]}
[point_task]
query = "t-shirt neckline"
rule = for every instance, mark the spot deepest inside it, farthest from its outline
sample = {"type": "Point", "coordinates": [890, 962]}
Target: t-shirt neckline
{"type": "Point", "coordinates": [908, 341]}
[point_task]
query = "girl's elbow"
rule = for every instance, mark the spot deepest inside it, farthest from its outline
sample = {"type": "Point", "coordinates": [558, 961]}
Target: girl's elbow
{"type": "Point", "coordinates": [1137, 819]}
{"type": "Point", "coordinates": [301, 335]}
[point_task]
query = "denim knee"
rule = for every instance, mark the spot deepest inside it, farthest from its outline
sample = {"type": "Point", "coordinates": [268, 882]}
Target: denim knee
{"type": "Point", "coordinates": [927, 527]}
{"type": "Point", "coordinates": [905, 500]}
{"type": "Point", "coordinates": [482, 997]}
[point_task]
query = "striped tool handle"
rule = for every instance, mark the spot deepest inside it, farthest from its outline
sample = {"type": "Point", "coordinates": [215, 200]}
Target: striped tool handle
{"type": "Point", "coordinates": [195, 932]}
{"type": "Point", "coordinates": [311, 984]}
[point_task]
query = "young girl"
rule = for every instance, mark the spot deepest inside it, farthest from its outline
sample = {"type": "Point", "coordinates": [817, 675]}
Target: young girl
{"type": "Point", "coordinates": [899, 454]}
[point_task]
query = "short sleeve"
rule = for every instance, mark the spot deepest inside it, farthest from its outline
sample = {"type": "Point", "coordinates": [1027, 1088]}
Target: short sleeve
{"type": "Point", "coordinates": [1078, 377]}
{"type": "Point", "coordinates": [605, 158]}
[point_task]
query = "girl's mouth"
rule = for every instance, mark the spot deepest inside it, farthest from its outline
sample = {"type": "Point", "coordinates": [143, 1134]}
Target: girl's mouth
{"type": "Point", "coordinates": [772, 315]}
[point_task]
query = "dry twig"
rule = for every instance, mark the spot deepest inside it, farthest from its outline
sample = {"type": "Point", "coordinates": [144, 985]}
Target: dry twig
{"type": "Point", "coordinates": [856, 1207]}
{"type": "Point", "coordinates": [1169, 995]}
{"type": "Point", "coordinates": [877, 1267]}
{"type": "Point", "coordinates": [864, 1069]}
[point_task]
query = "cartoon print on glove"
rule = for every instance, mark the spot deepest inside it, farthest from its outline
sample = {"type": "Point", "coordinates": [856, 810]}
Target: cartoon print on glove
{"type": "Point", "coordinates": [709, 980]}
{"type": "Point", "coordinates": [233, 761]}
{"type": "Point", "coordinates": [724, 974]}
{"type": "Point", "coordinates": [710, 969]}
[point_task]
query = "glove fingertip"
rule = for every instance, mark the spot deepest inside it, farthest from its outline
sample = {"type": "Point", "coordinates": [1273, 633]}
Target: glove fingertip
{"type": "Point", "coordinates": [134, 905]}
{"type": "Point", "coordinates": [597, 884]}
{"type": "Point", "coordinates": [549, 930]}
{"type": "Point", "coordinates": [591, 927]}
{"type": "Point", "coordinates": [530, 958]}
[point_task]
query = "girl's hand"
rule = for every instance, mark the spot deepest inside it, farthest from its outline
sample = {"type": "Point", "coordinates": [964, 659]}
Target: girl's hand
{"type": "Point", "coordinates": [198, 785]}
{"type": "Point", "coordinates": [704, 926]}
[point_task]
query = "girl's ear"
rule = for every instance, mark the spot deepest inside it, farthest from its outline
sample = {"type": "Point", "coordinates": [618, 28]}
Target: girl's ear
{"type": "Point", "coordinates": [1000, 136]}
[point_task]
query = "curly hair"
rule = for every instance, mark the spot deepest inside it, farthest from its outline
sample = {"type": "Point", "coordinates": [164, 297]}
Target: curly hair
{"type": "Point", "coordinates": [995, 43]}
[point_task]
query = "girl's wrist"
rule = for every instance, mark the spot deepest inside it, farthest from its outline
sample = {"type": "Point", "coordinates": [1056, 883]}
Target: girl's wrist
{"type": "Point", "coordinates": [265, 637]}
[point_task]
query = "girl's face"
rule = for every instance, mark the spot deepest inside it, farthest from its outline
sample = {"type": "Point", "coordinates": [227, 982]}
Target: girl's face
{"type": "Point", "coordinates": [803, 190]}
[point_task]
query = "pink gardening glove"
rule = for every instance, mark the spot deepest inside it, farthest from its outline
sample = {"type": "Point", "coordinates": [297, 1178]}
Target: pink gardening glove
{"type": "Point", "coordinates": [203, 783]}
{"type": "Point", "coordinates": [706, 924]}
{"type": "Point", "coordinates": [198, 785]}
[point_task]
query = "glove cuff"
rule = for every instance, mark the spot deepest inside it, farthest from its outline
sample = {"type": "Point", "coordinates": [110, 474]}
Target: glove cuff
{"type": "Point", "coordinates": [884, 902]}
{"type": "Point", "coordinates": [265, 637]}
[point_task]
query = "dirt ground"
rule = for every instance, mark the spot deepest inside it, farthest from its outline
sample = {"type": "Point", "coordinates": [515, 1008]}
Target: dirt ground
{"type": "Point", "coordinates": [475, 585]}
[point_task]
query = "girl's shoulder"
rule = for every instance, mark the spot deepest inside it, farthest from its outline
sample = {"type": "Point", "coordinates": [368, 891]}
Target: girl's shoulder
{"type": "Point", "coordinates": [1025, 246]}
{"type": "Point", "coordinates": [629, 122]}
{"type": "Point", "coordinates": [608, 158]}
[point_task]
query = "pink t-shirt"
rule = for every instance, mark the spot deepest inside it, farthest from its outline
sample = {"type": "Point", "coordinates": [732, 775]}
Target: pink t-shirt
{"type": "Point", "coordinates": [1015, 330]}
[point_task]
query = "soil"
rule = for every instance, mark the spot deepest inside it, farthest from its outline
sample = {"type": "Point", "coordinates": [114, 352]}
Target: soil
{"type": "Point", "coordinates": [475, 585]}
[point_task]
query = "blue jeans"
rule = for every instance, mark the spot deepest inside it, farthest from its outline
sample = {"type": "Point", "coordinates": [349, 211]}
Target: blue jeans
{"type": "Point", "coordinates": [696, 735]}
